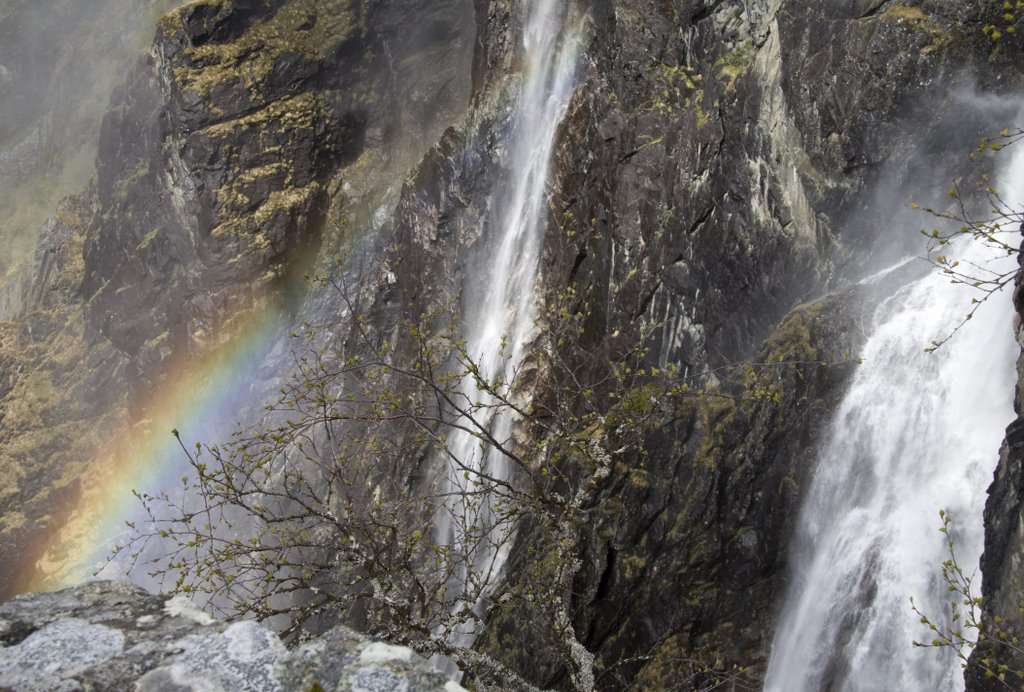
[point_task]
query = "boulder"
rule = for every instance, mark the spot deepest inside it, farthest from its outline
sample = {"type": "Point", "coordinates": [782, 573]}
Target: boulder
{"type": "Point", "coordinates": [114, 636]}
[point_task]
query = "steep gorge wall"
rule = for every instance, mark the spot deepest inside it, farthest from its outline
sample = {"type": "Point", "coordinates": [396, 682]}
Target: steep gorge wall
{"type": "Point", "coordinates": [755, 197]}
{"type": "Point", "coordinates": [1002, 587]}
{"type": "Point", "coordinates": [711, 177]}
{"type": "Point", "coordinates": [58, 65]}
{"type": "Point", "coordinates": [722, 163]}
{"type": "Point", "coordinates": [233, 152]}
{"type": "Point", "coordinates": [236, 129]}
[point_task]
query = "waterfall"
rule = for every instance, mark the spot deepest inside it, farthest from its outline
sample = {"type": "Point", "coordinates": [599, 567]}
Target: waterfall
{"type": "Point", "coordinates": [915, 433]}
{"type": "Point", "coordinates": [499, 290]}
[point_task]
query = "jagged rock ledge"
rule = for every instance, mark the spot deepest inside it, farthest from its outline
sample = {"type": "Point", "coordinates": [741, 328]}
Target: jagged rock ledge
{"type": "Point", "coordinates": [1001, 587]}
{"type": "Point", "coordinates": [111, 636]}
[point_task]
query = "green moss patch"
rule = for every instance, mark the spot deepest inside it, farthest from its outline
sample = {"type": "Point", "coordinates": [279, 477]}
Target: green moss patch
{"type": "Point", "coordinates": [312, 29]}
{"type": "Point", "coordinates": [734, 64]}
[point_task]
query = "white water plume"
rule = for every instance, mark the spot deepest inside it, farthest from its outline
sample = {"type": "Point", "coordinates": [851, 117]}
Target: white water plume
{"type": "Point", "coordinates": [915, 433]}
{"type": "Point", "coordinates": [499, 294]}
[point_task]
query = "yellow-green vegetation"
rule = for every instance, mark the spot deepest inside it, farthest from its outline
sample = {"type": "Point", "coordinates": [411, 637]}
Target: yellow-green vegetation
{"type": "Point", "coordinates": [734, 65]}
{"type": "Point", "coordinates": [716, 415]}
{"type": "Point", "coordinates": [1007, 23]}
{"type": "Point", "coordinates": [633, 566]}
{"type": "Point", "coordinates": [311, 28]}
{"type": "Point", "coordinates": [156, 341]}
{"type": "Point", "coordinates": [698, 103]}
{"type": "Point", "coordinates": [148, 239]}
{"type": "Point", "coordinates": [911, 14]}
{"type": "Point", "coordinates": [672, 87]}
{"type": "Point", "coordinates": [640, 401]}
{"type": "Point", "coordinates": [921, 21]}
{"type": "Point", "coordinates": [10, 521]}
{"type": "Point", "coordinates": [26, 204]}
{"type": "Point", "coordinates": [989, 645]}
{"type": "Point", "coordinates": [715, 408]}
{"type": "Point", "coordinates": [251, 201]}
{"type": "Point", "coordinates": [639, 478]}
{"type": "Point", "coordinates": [287, 201]}
{"type": "Point", "coordinates": [673, 665]}
{"type": "Point", "coordinates": [170, 23]}
{"type": "Point", "coordinates": [235, 196]}
{"type": "Point", "coordinates": [292, 114]}
{"type": "Point", "coordinates": [252, 175]}
{"type": "Point", "coordinates": [794, 339]}
{"type": "Point", "coordinates": [47, 432]}
{"type": "Point", "coordinates": [792, 345]}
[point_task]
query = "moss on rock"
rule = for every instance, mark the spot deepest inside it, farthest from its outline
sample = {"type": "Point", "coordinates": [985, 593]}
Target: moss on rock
{"type": "Point", "coordinates": [306, 28]}
{"type": "Point", "coordinates": [919, 20]}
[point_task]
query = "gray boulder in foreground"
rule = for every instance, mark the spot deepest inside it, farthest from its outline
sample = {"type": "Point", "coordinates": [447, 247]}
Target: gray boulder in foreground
{"type": "Point", "coordinates": [109, 636]}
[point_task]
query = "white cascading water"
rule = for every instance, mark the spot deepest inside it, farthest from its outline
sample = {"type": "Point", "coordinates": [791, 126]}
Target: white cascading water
{"type": "Point", "coordinates": [499, 292]}
{"type": "Point", "coordinates": [916, 433]}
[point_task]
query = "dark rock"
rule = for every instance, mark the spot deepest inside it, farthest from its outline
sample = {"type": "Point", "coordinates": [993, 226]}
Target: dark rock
{"type": "Point", "coordinates": [719, 162]}
{"type": "Point", "coordinates": [219, 161]}
{"type": "Point", "coordinates": [215, 157]}
{"type": "Point", "coordinates": [219, 21]}
{"type": "Point", "coordinates": [1002, 577]}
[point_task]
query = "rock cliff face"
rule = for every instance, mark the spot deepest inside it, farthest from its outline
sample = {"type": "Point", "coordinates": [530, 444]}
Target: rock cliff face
{"type": "Point", "coordinates": [220, 159]}
{"type": "Point", "coordinates": [729, 153]}
{"type": "Point", "coordinates": [719, 166]}
{"type": "Point", "coordinates": [217, 157]}
{"type": "Point", "coordinates": [716, 175]}
{"type": "Point", "coordinates": [57, 68]}
{"type": "Point", "coordinates": [1002, 587]}
{"type": "Point", "coordinates": [59, 398]}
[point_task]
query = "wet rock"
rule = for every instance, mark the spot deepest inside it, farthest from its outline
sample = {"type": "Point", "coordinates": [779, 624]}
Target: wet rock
{"type": "Point", "coordinates": [716, 161]}
{"type": "Point", "coordinates": [221, 158]}
{"type": "Point", "coordinates": [713, 174]}
{"type": "Point", "coordinates": [220, 154]}
{"type": "Point", "coordinates": [1002, 563]}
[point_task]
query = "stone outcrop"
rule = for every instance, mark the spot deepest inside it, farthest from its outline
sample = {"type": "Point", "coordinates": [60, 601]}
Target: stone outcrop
{"type": "Point", "coordinates": [712, 177]}
{"type": "Point", "coordinates": [218, 154]}
{"type": "Point", "coordinates": [108, 636]}
{"type": "Point", "coordinates": [1002, 579]}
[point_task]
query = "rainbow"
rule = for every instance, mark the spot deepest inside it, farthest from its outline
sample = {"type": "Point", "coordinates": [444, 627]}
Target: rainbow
{"type": "Point", "coordinates": [200, 401]}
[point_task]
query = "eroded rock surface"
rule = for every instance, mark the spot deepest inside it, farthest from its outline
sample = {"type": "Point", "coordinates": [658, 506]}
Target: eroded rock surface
{"type": "Point", "coordinates": [1002, 563]}
{"type": "Point", "coordinates": [715, 176]}
{"type": "Point", "coordinates": [718, 168]}
{"type": "Point", "coordinates": [221, 157]}
{"type": "Point", "coordinates": [108, 636]}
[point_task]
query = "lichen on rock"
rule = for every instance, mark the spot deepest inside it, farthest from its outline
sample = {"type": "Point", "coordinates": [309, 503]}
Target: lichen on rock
{"type": "Point", "coordinates": [114, 636]}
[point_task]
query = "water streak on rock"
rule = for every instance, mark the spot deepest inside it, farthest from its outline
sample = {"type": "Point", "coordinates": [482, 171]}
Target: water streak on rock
{"type": "Point", "coordinates": [499, 293]}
